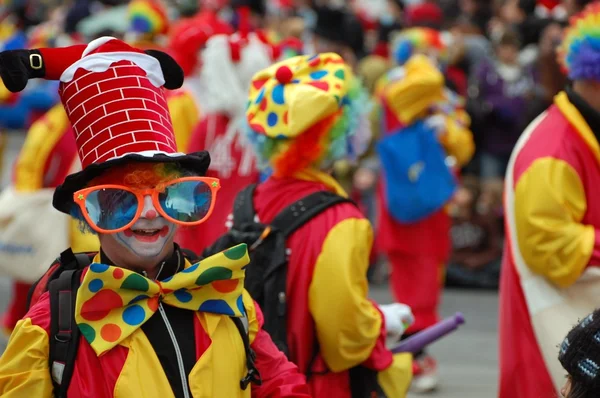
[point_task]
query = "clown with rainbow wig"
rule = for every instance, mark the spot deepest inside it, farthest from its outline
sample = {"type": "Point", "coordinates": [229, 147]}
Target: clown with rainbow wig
{"type": "Point", "coordinates": [550, 275]}
{"type": "Point", "coordinates": [304, 114]}
{"type": "Point", "coordinates": [225, 68]}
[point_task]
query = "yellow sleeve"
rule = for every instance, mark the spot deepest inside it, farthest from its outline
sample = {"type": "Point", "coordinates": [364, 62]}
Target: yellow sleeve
{"type": "Point", "coordinates": [41, 139]}
{"type": "Point", "coordinates": [549, 206]}
{"type": "Point", "coordinates": [348, 324]}
{"type": "Point", "coordinates": [395, 380]}
{"type": "Point", "coordinates": [24, 365]}
{"type": "Point", "coordinates": [458, 139]}
{"type": "Point", "coordinates": [185, 116]}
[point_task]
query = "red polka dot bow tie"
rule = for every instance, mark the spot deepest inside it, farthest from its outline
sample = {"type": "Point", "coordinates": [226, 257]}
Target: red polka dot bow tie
{"type": "Point", "coordinates": [113, 302]}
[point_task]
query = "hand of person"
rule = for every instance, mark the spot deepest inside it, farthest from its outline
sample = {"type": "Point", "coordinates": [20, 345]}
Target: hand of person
{"type": "Point", "coordinates": [364, 179]}
{"type": "Point", "coordinates": [438, 123]}
{"type": "Point", "coordinates": [398, 317]}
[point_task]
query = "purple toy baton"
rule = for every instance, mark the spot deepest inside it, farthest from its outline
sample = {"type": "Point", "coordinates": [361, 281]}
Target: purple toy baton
{"type": "Point", "coordinates": [422, 339]}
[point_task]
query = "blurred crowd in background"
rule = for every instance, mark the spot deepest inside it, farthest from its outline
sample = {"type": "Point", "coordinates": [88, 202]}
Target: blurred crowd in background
{"type": "Point", "coordinates": [499, 56]}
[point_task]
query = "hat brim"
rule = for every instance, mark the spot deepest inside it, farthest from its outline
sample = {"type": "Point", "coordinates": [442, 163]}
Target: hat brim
{"type": "Point", "coordinates": [196, 162]}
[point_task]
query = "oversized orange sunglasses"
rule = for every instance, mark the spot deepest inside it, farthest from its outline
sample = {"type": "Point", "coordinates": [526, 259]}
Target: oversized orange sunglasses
{"type": "Point", "coordinates": [115, 208]}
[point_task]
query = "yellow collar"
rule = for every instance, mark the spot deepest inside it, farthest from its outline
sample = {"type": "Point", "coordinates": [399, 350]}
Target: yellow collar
{"type": "Point", "coordinates": [576, 120]}
{"type": "Point", "coordinates": [323, 178]}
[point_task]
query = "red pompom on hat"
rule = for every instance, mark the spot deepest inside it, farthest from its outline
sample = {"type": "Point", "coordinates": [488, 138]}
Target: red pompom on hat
{"type": "Point", "coordinates": [114, 96]}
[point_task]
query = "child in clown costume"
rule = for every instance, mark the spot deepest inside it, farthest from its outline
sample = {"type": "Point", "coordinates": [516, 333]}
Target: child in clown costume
{"type": "Point", "coordinates": [413, 99]}
{"type": "Point", "coordinates": [151, 323]}
{"type": "Point", "coordinates": [305, 113]}
{"type": "Point", "coordinates": [550, 274]}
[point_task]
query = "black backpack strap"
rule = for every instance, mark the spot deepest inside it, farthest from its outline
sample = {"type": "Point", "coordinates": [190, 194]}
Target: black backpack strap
{"type": "Point", "coordinates": [253, 376]}
{"type": "Point", "coordinates": [243, 207]}
{"type": "Point", "coordinates": [66, 260]}
{"type": "Point", "coordinates": [300, 212]}
{"type": "Point", "coordinates": [64, 333]}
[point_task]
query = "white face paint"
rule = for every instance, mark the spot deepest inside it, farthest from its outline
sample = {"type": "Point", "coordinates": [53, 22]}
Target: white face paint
{"type": "Point", "coordinates": [150, 235]}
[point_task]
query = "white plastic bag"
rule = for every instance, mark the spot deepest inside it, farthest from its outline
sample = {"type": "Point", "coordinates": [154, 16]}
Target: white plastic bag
{"type": "Point", "coordinates": [32, 233]}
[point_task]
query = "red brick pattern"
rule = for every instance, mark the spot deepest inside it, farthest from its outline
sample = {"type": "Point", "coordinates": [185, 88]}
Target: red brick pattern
{"type": "Point", "coordinates": [116, 112]}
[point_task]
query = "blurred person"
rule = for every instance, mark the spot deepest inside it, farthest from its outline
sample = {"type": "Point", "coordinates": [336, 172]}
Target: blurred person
{"type": "Point", "coordinates": [228, 64]}
{"type": "Point", "coordinates": [299, 128]}
{"type": "Point", "coordinates": [339, 31]}
{"type": "Point", "coordinates": [573, 7]}
{"type": "Point", "coordinates": [390, 22]}
{"type": "Point", "coordinates": [475, 12]}
{"type": "Point", "coordinates": [551, 77]}
{"type": "Point", "coordinates": [444, 48]}
{"type": "Point", "coordinates": [580, 357]}
{"type": "Point", "coordinates": [520, 16]}
{"type": "Point", "coordinates": [476, 239]}
{"type": "Point", "coordinates": [404, 44]}
{"type": "Point", "coordinates": [142, 319]}
{"type": "Point", "coordinates": [187, 39]}
{"type": "Point", "coordinates": [499, 94]}
{"type": "Point", "coordinates": [422, 123]}
{"type": "Point", "coordinates": [249, 14]}
{"type": "Point", "coordinates": [549, 275]}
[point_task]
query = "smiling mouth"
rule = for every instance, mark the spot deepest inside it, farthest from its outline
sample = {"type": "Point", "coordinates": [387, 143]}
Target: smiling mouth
{"type": "Point", "coordinates": [147, 234]}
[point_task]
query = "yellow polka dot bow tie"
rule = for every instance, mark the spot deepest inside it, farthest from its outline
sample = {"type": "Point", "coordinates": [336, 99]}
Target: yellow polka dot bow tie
{"type": "Point", "coordinates": [113, 302]}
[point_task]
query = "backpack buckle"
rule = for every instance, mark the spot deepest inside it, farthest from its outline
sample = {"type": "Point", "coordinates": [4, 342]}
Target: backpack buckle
{"type": "Point", "coordinates": [252, 377]}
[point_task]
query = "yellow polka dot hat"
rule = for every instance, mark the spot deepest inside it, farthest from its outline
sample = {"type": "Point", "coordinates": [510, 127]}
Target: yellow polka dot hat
{"type": "Point", "coordinates": [291, 96]}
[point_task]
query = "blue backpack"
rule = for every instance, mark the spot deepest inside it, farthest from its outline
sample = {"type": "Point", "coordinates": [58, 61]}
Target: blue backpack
{"type": "Point", "coordinates": [417, 180]}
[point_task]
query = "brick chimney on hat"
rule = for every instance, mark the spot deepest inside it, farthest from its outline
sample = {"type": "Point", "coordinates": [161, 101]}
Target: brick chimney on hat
{"type": "Point", "coordinates": [116, 103]}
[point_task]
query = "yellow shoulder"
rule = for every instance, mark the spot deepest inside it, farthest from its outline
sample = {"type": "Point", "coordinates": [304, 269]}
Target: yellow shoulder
{"type": "Point", "coordinates": [41, 138]}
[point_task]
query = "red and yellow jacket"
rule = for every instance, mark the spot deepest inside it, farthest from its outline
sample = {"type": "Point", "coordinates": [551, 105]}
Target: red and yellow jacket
{"type": "Point", "coordinates": [327, 291]}
{"type": "Point", "coordinates": [133, 369]}
{"type": "Point", "coordinates": [552, 224]}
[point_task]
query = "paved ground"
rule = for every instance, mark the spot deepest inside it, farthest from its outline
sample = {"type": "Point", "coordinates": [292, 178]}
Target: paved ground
{"type": "Point", "coordinates": [467, 358]}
